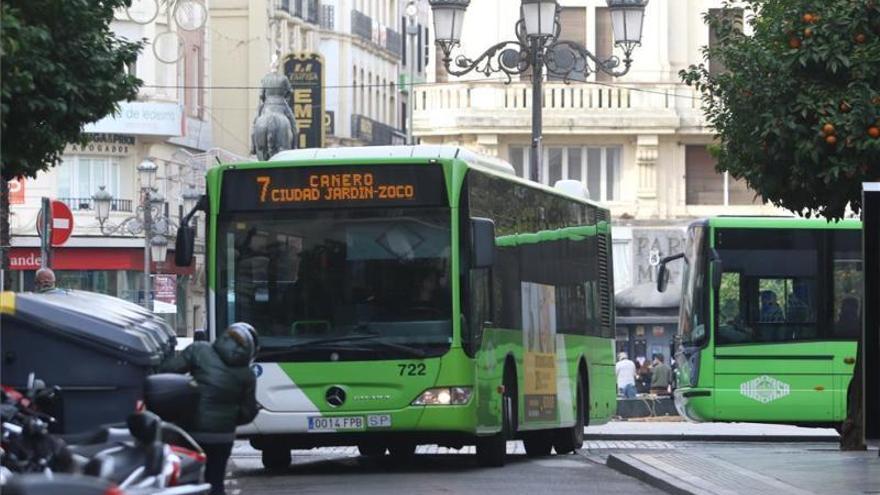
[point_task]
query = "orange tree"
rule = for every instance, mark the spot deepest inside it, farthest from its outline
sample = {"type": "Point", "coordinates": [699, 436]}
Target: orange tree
{"type": "Point", "coordinates": [796, 111]}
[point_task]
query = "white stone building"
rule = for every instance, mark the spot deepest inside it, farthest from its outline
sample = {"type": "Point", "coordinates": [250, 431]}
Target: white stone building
{"type": "Point", "coordinates": [638, 142]}
{"type": "Point", "coordinates": [169, 124]}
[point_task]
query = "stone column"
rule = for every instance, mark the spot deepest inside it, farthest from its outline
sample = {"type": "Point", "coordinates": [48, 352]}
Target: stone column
{"type": "Point", "coordinates": [646, 162]}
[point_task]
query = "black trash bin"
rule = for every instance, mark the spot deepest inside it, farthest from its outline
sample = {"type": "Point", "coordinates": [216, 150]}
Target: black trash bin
{"type": "Point", "coordinates": [98, 349]}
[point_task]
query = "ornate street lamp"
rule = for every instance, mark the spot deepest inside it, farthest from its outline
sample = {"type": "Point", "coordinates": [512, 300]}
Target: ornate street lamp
{"type": "Point", "coordinates": [538, 46]}
{"type": "Point", "coordinates": [147, 173]}
{"type": "Point", "coordinates": [149, 219]}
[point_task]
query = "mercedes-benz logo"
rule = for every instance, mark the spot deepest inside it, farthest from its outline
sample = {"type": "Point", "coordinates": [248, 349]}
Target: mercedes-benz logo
{"type": "Point", "coordinates": [335, 396]}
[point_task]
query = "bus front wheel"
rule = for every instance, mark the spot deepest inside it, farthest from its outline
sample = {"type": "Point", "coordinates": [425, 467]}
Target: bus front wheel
{"type": "Point", "coordinates": [492, 450]}
{"type": "Point", "coordinates": [276, 459]}
{"type": "Point", "coordinates": [568, 440]}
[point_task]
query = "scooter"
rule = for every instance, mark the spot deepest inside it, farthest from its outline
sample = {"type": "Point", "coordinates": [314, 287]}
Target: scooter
{"type": "Point", "coordinates": [148, 454]}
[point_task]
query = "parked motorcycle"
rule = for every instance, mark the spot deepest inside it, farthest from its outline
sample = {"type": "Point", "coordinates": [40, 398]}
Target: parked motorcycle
{"type": "Point", "coordinates": [145, 453]}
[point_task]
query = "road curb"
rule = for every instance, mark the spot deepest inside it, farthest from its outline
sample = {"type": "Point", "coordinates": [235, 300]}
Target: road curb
{"type": "Point", "coordinates": [714, 438]}
{"type": "Point", "coordinates": [634, 468]}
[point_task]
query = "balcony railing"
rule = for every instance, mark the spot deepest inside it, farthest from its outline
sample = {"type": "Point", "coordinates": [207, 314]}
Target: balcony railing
{"type": "Point", "coordinates": [393, 41]}
{"type": "Point", "coordinates": [557, 96]}
{"type": "Point", "coordinates": [86, 204]}
{"type": "Point", "coordinates": [361, 25]}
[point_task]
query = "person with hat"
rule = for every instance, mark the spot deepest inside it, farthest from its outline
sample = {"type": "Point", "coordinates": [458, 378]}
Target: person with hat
{"type": "Point", "coordinates": [227, 389]}
{"type": "Point", "coordinates": [625, 370]}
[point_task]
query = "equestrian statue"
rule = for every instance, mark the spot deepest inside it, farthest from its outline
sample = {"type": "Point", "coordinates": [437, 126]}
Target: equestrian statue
{"type": "Point", "coordinates": [274, 126]}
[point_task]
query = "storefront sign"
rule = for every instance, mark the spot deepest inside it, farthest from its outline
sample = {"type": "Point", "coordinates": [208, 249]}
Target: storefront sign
{"type": "Point", "coordinates": [92, 258]}
{"type": "Point", "coordinates": [105, 144]}
{"type": "Point", "coordinates": [330, 123]}
{"type": "Point", "coordinates": [306, 74]}
{"type": "Point", "coordinates": [16, 191]}
{"type": "Point", "coordinates": [144, 118]}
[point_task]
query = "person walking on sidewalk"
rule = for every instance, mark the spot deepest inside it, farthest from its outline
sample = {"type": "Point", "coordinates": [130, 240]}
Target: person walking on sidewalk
{"type": "Point", "coordinates": [227, 389]}
{"type": "Point", "coordinates": [626, 376]}
{"type": "Point", "coordinates": [661, 376]}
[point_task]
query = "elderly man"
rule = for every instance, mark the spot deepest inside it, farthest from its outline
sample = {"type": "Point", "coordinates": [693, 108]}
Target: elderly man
{"type": "Point", "coordinates": [44, 280]}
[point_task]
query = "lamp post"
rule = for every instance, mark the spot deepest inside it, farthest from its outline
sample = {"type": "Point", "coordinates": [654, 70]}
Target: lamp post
{"type": "Point", "coordinates": [149, 219]}
{"type": "Point", "coordinates": [538, 47]}
{"type": "Point", "coordinates": [412, 30]}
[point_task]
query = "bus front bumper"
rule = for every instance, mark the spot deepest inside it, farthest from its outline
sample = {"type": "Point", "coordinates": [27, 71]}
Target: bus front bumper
{"type": "Point", "coordinates": [411, 419]}
{"type": "Point", "coordinates": [695, 404]}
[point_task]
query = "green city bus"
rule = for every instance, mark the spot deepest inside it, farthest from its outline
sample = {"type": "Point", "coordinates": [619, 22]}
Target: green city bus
{"type": "Point", "coordinates": [769, 317]}
{"type": "Point", "coordinates": [412, 295]}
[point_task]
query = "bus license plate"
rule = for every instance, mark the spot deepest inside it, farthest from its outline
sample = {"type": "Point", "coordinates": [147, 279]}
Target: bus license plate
{"type": "Point", "coordinates": [336, 424]}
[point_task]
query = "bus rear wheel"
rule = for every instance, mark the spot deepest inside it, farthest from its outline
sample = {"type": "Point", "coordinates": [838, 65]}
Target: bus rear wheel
{"type": "Point", "coordinates": [276, 459]}
{"type": "Point", "coordinates": [568, 440]}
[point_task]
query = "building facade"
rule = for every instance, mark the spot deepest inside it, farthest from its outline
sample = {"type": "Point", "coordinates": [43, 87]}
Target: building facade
{"type": "Point", "coordinates": [638, 142]}
{"type": "Point", "coordinates": [368, 61]}
{"type": "Point", "coordinates": [169, 124]}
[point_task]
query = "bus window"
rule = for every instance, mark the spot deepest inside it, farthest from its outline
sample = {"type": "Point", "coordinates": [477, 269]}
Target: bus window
{"type": "Point", "coordinates": [692, 317]}
{"type": "Point", "coordinates": [847, 316]}
{"type": "Point", "coordinates": [784, 309]}
{"type": "Point", "coordinates": [731, 317]}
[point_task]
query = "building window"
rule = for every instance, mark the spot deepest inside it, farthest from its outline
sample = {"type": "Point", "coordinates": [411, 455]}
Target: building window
{"type": "Point", "coordinates": [573, 27]}
{"type": "Point", "coordinates": [79, 177]}
{"type": "Point", "coordinates": [705, 186]}
{"type": "Point", "coordinates": [597, 167]}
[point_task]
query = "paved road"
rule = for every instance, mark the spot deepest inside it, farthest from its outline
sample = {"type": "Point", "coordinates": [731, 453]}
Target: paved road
{"type": "Point", "coordinates": [434, 470]}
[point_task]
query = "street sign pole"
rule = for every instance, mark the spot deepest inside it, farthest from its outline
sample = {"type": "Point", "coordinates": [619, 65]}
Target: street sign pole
{"type": "Point", "coordinates": [46, 237]}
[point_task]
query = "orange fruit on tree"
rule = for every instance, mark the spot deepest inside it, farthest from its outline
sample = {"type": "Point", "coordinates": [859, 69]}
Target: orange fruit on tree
{"type": "Point", "coordinates": [875, 100]}
{"type": "Point", "coordinates": [874, 131]}
{"type": "Point", "coordinates": [861, 38]}
{"type": "Point", "coordinates": [828, 129]}
{"type": "Point", "coordinates": [809, 18]}
{"type": "Point", "coordinates": [808, 33]}
{"type": "Point", "coordinates": [832, 139]}
{"type": "Point", "coordinates": [794, 42]}
{"type": "Point", "coordinates": [845, 107]}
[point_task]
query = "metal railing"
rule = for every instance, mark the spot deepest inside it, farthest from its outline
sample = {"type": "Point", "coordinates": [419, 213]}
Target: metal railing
{"type": "Point", "coordinates": [86, 204]}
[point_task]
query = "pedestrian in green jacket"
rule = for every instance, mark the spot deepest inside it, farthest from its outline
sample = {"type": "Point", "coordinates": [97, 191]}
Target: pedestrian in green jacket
{"type": "Point", "coordinates": [227, 389]}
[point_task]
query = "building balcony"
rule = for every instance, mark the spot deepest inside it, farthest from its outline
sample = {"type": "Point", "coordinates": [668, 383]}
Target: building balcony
{"type": "Point", "coordinates": [88, 204]}
{"type": "Point", "coordinates": [481, 107]}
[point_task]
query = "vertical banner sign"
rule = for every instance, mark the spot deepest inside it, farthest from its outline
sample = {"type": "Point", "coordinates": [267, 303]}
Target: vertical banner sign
{"type": "Point", "coordinates": [305, 71]}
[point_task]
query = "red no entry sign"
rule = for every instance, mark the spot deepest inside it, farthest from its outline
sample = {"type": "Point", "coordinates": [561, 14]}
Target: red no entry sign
{"type": "Point", "coordinates": [62, 223]}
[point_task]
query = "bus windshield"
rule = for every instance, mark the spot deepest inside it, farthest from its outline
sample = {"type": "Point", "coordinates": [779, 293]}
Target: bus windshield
{"type": "Point", "coordinates": [339, 284]}
{"type": "Point", "coordinates": [692, 324]}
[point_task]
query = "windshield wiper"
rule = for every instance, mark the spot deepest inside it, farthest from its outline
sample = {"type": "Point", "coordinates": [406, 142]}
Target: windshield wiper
{"type": "Point", "coordinates": [373, 337]}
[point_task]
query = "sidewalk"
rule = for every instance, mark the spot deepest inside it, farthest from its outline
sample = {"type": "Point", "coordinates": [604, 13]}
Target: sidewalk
{"type": "Point", "coordinates": [723, 432]}
{"type": "Point", "coordinates": [732, 458]}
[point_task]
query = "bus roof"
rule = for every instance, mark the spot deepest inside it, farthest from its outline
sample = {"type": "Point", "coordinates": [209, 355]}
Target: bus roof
{"type": "Point", "coordinates": [745, 222]}
{"type": "Point", "coordinates": [424, 152]}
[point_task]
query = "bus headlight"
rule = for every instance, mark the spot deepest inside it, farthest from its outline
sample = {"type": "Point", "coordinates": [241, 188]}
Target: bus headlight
{"type": "Point", "coordinates": [444, 396]}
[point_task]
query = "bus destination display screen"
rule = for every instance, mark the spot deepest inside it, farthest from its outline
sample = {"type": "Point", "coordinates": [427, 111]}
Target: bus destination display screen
{"type": "Point", "coordinates": [331, 186]}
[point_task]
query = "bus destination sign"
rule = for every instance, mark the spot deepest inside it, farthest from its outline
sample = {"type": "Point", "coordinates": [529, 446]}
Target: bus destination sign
{"type": "Point", "coordinates": [316, 187]}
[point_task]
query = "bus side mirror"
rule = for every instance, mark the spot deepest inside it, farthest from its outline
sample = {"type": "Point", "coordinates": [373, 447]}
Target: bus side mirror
{"type": "Point", "coordinates": [184, 245]}
{"type": "Point", "coordinates": [663, 272]}
{"type": "Point", "coordinates": [482, 243]}
{"type": "Point", "coordinates": [717, 271]}
{"type": "Point", "coordinates": [662, 278]}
